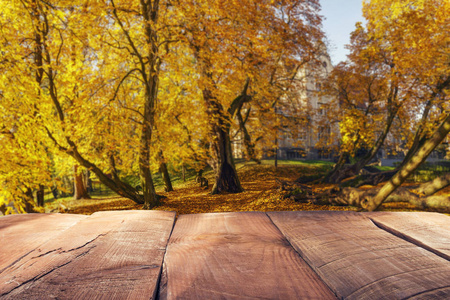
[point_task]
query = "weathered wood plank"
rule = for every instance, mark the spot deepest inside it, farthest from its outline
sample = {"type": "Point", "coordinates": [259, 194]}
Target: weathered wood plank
{"type": "Point", "coordinates": [20, 234]}
{"type": "Point", "coordinates": [235, 256]}
{"type": "Point", "coordinates": [428, 230]}
{"type": "Point", "coordinates": [358, 260]}
{"type": "Point", "coordinates": [107, 255]}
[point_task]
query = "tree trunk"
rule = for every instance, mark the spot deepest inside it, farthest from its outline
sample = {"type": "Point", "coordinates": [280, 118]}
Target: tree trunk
{"type": "Point", "coordinates": [415, 161]}
{"type": "Point", "coordinates": [429, 188]}
{"type": "Point", "coordinates": [148, 188]}
{"type": "Point", "coordinates": [80, 191]}
{"type": "Point", "coordinates": [199, 175]}
{"type": "Point", "coordinates": [226, 179]}
{"type": "Point", "coordinates": [357, 197]}
{"type": "Point", "coordinates": [29, 201]}
{"type": "Point", "coordinates": [165, 173]}
{"type": "Point", "coordinates": [115, 184]}
{"type": "Point", "coordinates": [3, 208]}
{"type": "Point", "coordinates": [87, 181]}
{"type": "Point", "coordinates": [40, 195]}
{"type": "Point", "coordinates": [39, 75]}
{"type": "Point", "coordinates": [150, 74]}
{"type": "Point", "coordinates": [343, 157]}
{"type": "Point", "coordinates": [276, 153]}
{"type": "Point", "coordinates": [248, 145]}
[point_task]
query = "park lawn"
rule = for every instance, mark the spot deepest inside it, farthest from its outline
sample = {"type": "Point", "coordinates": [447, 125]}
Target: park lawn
{"type": "Point", "coordinates": [259, 182]}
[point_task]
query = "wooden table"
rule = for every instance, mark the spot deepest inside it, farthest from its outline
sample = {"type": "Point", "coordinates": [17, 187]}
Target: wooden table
{"type": "Point", "coordinates": [248, 255]}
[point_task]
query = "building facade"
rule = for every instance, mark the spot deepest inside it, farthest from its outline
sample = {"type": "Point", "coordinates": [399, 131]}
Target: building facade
{"type": "Point", "coordinates": [314, 135]}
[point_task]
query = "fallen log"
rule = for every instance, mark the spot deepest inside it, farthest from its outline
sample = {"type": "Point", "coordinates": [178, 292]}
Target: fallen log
{"type": "Point", "coordinates": [431, 187]}
{"type": "Point", "coordinates": [368, 178]}
{"type": "Point", "coordinates": [357, 197]}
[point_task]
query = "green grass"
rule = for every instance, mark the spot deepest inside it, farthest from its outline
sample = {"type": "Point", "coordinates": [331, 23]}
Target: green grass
{"type": "Point", "coordinates": [384, 168]}
{"type": "Point", "coordinates": [429, 171]}
{"type": "Point", "coordinates": [298, 162]}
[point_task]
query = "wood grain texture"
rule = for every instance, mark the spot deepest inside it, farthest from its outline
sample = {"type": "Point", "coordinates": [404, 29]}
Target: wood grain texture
{"type": "Point", "coordinates": [21, 234]}
{"type": "Point", "coordinates": [109, 255]}
{"type": "Point", "coordinates": [358, 260]}
{"type": "Point", "coordinates": [428, 230]}
{"type": "Point", "coordinates": [235, 256]}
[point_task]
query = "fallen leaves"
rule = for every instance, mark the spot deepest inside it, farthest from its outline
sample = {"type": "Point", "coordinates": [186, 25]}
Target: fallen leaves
{"type": "Point", "coordinates": [261, 193]}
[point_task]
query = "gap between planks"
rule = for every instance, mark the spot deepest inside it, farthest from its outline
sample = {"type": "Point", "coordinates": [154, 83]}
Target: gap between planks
{"type": "Point", "coordinates": [208, 256]}
{"type": "Point", "coordinates": [432, 242]}
{"type": "Point", "coordinates": [301, 255]}
{"type": "Point", "coordinates": [337, 245]}
{"type": "Point", "coordinates": [408, 239]}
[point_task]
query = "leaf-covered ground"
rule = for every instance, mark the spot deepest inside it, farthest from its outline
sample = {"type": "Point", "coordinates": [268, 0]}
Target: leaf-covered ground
{"type": "Point", "coordinates": [261, 194]}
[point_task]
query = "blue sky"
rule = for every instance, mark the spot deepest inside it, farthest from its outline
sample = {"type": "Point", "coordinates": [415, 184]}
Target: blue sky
{"type": "Point", "coordinates": [340, 18]}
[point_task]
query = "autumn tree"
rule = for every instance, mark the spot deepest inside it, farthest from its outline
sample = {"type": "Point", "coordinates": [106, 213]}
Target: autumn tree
{"type": "Point", "coordinates": [369, 95]}
{"type": "Point", "coordinates": [146, 61]}
{"type": "Point", "coordinates": [398, 67]}
{"type": "Point", "coordinates": [21, 171]}
{"type": "Point", "coordinates": [416, 33]}
{"type": "Point", "coordinates": [77, 94]}
{"type": "Point", "coordinates": [234, 47]}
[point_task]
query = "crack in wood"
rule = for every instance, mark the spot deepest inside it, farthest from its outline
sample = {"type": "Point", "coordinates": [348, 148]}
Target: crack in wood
{"type": "Point", "coordinates": [423, 294]}
{"type": "Point", "coordinates": [87, 243]}
{"type": "Point", "coordinates": [40, 276]}
{"type": "Point", "coordinates": [46, 253]}
{"type": "Point", "coordinates": [49, 252]}
{"type": "Point", "coordinates": [16, 261]}
{"type": "Point", "coordinates": [160, 291]}
{"type": "Point", "coordinates": [409, 239]}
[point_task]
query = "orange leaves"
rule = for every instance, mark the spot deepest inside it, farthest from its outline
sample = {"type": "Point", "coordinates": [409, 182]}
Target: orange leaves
{"type": "Point", "coordinates": [75, 74]}
{"type": "Point", "coordinates": [416, 30]}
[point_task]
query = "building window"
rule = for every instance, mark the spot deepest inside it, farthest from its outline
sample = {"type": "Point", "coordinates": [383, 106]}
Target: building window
{"type": "Point", "coordinates": [324, 132]}
{"type": "Point", "coordinates": [318, 86]}
{"type": "Point", "coordinates": [302, 135]}
{"type": "Point", "coordinates": [322, 109]}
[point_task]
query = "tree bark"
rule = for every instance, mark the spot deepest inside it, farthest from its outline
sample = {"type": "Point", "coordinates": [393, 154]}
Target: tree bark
{"type": "Point", "coordinates": [149, 66]}
{"type": "Point", "coordinates": [29, 201]}
{"type": "Point", "coordinates": [276, 153]}
{"type": "Point", "coordinates": [429, 188]}
{"type": "Point", "coordinates": [148, 188]}
{"type": "Point", "coordinates": [421, 155]}
{"type": "Point", "coordinates": [249, 146]}
{"type": "Point", "coordinates": [3, 208]}
{"type": "Point", "coordinates": [356, 197]}
{"type": "Point", "coordinates": [87, 181]}
{"type": "Point", "coordinates": [80, 191]}
{"type": "Point", "coordinates": [40, 195]}
{"type": "Point", "coordinates": [150, 74]}
{"type": "Point", "coordinates": [39, 75]}
{"type": "Point", "coordinates": [165, 173]}
{"type": "Point", "coordinates": [226, 179]}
